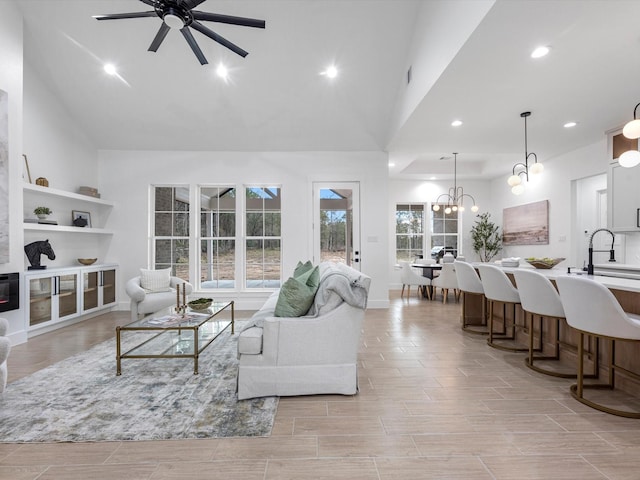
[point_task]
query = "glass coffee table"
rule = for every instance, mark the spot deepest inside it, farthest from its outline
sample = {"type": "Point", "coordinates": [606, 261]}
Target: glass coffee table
{"type": "Point", "coordinates": [166, 334]}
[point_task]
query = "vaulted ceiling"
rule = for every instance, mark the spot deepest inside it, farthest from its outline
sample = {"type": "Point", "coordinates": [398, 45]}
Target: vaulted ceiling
{"type": "Point", "coordinates": [276, 99]}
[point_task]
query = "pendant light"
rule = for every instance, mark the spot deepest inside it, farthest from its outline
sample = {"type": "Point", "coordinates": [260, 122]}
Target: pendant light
{"type": "Point", "coordinates": [631, 130]}
{"type": "Point", "coordinates": [524, 169]}
{"type": "Point", "coordinates": [456, 194]}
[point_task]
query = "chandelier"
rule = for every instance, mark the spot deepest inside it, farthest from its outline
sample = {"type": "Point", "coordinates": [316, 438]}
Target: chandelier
{"type": "Point", "coordinates": [523, 169]}
{"type": "Point", "coordinates": [456, 194]}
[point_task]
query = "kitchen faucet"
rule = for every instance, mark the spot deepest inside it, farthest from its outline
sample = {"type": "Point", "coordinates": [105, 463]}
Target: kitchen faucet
{"type": "Point", "coordinates": [612, 252]}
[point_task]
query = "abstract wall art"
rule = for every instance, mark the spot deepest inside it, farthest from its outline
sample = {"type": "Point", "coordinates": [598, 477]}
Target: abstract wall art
{"type": "Point", "coordinates": [4, 177]}
{"type": "Point", "coordinates": [526, 224]}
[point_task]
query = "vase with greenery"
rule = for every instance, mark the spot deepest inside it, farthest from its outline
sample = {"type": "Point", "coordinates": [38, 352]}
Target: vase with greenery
{"type": "Point", "coordinates": [487, 241]}
{"type": "Point", "coordinates": [42, 212]}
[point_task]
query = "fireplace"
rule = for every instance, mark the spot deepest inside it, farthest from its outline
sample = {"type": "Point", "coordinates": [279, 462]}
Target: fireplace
{"type": "Point", "coordinates": [9, 291]}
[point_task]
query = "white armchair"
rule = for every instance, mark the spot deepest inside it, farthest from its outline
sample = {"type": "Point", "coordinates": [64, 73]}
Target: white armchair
{"type": "Point", "coordinates": [144, 302]}
{"type": "Point", "coordinates": [5, 348]}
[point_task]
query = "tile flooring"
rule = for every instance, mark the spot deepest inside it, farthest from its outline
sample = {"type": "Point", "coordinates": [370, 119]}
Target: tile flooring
{"type": "Point", "coordinates": [434, 403]}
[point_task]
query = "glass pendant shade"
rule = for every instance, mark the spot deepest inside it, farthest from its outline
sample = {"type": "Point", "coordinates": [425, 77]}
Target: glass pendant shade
{"type": "Point", "coordinates": [475, 208]}
{"type": "Point", "coordinates": [447, 210]}
{"type": "Point", "coordinates": [629, 159]}
{"type": "Point", "coordinates": [517, 189]}
{"type": "Point", "coordinates": [436, 208]}
{"type": "Point", "coordinates": [536, 168]}
{"type": "Point", "coordinates": [514, 180]}
{"type": "Point", "coordinates": [632, 129]}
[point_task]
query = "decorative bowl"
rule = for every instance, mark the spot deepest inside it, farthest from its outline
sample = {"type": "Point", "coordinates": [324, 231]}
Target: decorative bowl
{"type": "Point", "coordinates": [87, 261]}
{"type": "Point", "coordinates": [200, 303]}
{"type": "Point", "coordinates": [544, 263]}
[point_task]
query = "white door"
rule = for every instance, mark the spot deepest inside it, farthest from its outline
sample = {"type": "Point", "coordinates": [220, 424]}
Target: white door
{"type": "Point", "coordinates": [336, 222]}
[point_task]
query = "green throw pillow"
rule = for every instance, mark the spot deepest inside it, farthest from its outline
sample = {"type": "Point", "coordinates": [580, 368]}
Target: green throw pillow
{"type": "Point", "coordinates": [302, 268]}
{"type": "Point", "coordinates": [297, 293]}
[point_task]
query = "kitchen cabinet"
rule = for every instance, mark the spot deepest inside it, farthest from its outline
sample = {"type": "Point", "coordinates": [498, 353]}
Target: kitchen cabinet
{"type": "Point", "coordinates": [623, 187]}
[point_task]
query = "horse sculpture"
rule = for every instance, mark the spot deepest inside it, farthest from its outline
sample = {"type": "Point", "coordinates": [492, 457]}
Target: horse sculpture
{"type": "Point", "coordinates": [35, 249]}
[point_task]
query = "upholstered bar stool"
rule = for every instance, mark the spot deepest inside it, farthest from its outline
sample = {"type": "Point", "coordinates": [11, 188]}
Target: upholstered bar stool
{"type": "Point", "coordinates": [408, 277]}
{"type": "Point", "coordinates": [498, 288]}
{"type": "Point", "coordinates": [540, 299]}
{"type": "Point", "coordinates": [592, 309]}
{"type": "Point", "coordinates": [469, 284]}
{"type": "Point", "coordinates": [447, 281]}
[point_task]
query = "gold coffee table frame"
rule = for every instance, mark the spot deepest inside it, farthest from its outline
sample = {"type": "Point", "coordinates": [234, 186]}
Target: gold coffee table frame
{"type": "Point", "coordinates": [185, 337]}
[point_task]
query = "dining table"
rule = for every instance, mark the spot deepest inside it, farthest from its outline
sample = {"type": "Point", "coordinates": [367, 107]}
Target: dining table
{"type": "Point", "coordinates": [428, 271]}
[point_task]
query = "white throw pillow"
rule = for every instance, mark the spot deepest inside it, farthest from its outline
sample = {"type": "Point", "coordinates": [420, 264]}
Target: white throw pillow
{"type": "Point", "coordinates": [155, 280]}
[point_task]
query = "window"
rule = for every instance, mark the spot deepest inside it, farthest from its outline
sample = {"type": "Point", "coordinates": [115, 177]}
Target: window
{"type": "Point", "coordinates": [444, 233]}
{"type": "Point", "coordinates": [263, 241]}
{"type": "Point", "coordinates": [409, 232]}
{"type": "Point", "coordinates": [171, 230]}
{"type": "Point", "coordinates": [217, 237]}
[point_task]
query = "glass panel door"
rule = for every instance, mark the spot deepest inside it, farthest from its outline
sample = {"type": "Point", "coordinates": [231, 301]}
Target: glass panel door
{"type": "Point", "coordinates": [337, 222]}
{"type": "Point", "coordinates": [40, 294]}
{"type": "Point", "coordinates": [90, 291]}
{"type": "Point", "coordinates": [108, 287]}
{"type": "Point", "coordinates": [67, 295]}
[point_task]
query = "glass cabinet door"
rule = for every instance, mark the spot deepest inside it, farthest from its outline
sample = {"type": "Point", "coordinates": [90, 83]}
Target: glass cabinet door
{"type": "Point", "coordinates": [40, 297]}
{"type": "Point", "coordinates": [67, 295]}
{"type": "Point", "coordinates": [90, 290]}
{"type": "Point", "coordinates": [108, 286]}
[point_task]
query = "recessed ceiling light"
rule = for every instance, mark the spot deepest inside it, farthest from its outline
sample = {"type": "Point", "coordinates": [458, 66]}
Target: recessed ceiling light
{"type": "Point", "coordinates": [540, 52]}
{"type": "Point", "coordinates": [331, 72]}
{"type": "Point", "coordinates": [570, 124]}
{"type": "Point", "coordinates": [432, 178]}
{"type": "Point", "coordinates": [391, 164]}
{"type": "Point", "coordinates": [456, 123]}
{"type": "Point", "coordinates": [110, 68]}
{"type": "Point", "coordinates": [222, 71]}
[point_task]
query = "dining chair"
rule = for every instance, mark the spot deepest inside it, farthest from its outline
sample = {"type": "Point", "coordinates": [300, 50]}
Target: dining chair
{"type": "Point", "coordinates": [408, 277]}
{"type": "Point", "coordinates": [499, 289]}
{"type": "Point", "coordinates": [446, 281]}
{"type": "Point", "coordinates": [593, 310]}
{"type": "Point", "coordinates": [470, 285]}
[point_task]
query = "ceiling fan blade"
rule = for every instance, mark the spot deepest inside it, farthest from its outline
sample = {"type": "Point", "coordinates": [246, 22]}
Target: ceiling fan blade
{"type": "Point", "coordinates": [221, 40]}
{"type": "Point", "coordinates": [118, 16]}
{"type": "Point", "coordinates": [151, 3]}
{"type": "Point", "coordinates": [162, 32]}
{"type": "Point", "coordinates": [189, 4]}
{"type": "Point", "coordinates": [216, 17]}
{"type": "Point", "coordinates": [188, 36]}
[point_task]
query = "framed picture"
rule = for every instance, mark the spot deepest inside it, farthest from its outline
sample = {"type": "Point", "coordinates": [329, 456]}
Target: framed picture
{"type": "Point", "coordinates": [80, 219]}
{"type": "Point", "coordinates": [526, 224]}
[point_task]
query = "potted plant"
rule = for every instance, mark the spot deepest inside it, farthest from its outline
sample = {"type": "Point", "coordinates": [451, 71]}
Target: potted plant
{"type": "Point", "coordinates": [487, 241]}
{"type": "Point", "coordinates": [42, 212]}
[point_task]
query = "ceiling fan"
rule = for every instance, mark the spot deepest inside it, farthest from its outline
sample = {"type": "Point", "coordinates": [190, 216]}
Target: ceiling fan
{"type": "Point", "coordinates": [181, 14]}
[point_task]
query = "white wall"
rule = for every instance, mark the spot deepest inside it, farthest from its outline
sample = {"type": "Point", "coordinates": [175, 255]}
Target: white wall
{"type": "Point", "coordinates": [11, 48]}
{"type": "Point", "coordinates": [422, 191]}
{"type": "Point", "coordinates": [125, 177]}
{"type": "Point", "coordinates": [555, 185]}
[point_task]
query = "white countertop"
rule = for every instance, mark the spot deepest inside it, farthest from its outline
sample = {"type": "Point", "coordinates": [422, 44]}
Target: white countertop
{"type": "Point", "coordinates": [614, 283]}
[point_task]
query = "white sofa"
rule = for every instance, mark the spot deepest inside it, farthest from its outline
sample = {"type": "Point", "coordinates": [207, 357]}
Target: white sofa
{"type": "Point", "coordinates": [313, 354]}
{"type": "Point", "coordinates": [5, 348]}
{"type": "Point", "coordinates": [144, 302]}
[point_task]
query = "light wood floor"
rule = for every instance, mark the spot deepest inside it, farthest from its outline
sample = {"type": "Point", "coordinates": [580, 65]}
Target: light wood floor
{"type": "Point", "coordinates": [434, 403]}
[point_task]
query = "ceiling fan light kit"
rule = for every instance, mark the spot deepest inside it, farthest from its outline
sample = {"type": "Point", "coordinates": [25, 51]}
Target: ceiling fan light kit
{"type": "Point", "coordinates": [180, 14]}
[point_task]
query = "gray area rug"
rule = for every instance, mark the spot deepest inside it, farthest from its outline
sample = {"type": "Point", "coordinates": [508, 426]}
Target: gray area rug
{"type": "Point", "coordinates": [81, 399]}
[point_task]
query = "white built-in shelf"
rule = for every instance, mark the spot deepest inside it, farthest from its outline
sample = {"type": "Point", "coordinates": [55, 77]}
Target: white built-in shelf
{"type": "Point", "coordinates": [66, 228]}
{"type": "Point", "coordinates": [63, 194]}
